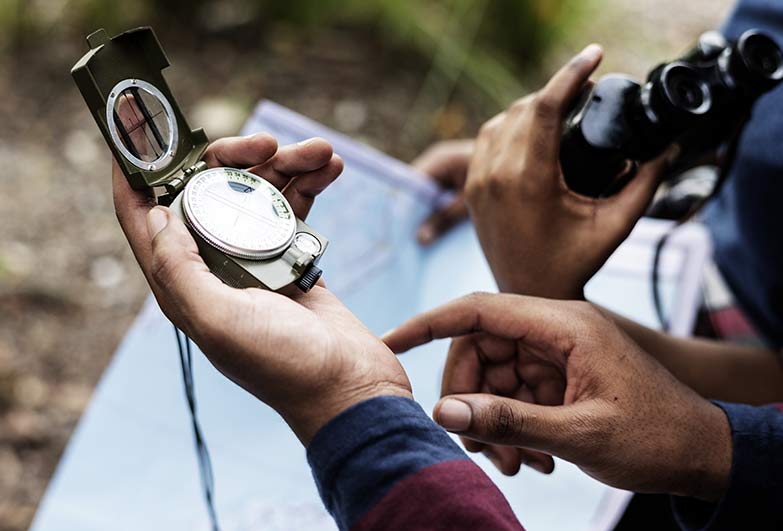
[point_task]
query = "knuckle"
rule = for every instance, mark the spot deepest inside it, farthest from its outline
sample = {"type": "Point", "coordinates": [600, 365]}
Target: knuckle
{"type": "Point", "coordinates": [519, 106]}
{"type": "Point", "coordinates": [496, 173]}
{"type": "Point", "coordinates": [267, 138]}
{"type": "Point", "coordinates": [479, 188]}
{"type": "Point", "coordinates": [583, 436]}
{"type": "Point", "coordinates": [505, 424]}
{"type": "Point", "coordinates": [472, 191]}
{"type": "Point", "coordinates": [491, 127]}
{"type": "Point", "coordinates": [487, 129]}
{"type": "Point", "coordinates": [498, 182]}
{"type": "Point", "coordinates": [545, 107]}
{"type": "Point", "coordinates": [596, 425]}
{"type": "Point", "coordinates": [163, 267]}
{"type": "Point", "coordinates": [476, 298]}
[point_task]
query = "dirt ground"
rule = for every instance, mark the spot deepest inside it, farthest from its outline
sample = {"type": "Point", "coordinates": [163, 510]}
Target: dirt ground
{"type": "Point", "coordinates": [69, 287]}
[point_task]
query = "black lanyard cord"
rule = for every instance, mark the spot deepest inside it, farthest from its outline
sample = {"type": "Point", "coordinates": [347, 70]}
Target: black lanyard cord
{"type": "Point", "coordinates": [202, 452]}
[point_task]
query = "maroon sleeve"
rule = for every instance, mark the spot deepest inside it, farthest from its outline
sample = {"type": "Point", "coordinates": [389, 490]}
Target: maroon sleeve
{"type": "Point", "coordinates": [453, 495]}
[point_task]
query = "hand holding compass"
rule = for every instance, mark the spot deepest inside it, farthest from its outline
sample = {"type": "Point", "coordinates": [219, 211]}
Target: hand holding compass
{"type": "Point", "coordinates": [244, 225]}
{"type": "Point", "coordinates": [309, 358]}
{"type": "Point", "coordinates": [235, 215]}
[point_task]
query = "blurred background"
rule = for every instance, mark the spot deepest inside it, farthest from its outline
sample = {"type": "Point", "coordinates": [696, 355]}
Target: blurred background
{"type": "Point", "coordinates": [397, 74]}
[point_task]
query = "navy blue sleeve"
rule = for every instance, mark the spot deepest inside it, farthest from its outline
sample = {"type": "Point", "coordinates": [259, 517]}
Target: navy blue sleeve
{"type": "Point", "coordinates": [754, 499]}
{"type": "Point", "coordinates": [742, 217]}
{"type": "Point", "coordinates": [384, 464]}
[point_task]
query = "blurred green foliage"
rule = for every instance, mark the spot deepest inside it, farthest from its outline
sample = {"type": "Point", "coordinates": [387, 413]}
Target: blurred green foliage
{"type": "Point", "coordinates": [487, 41]}
{"type": "Point", "coordinates": [484, 42]}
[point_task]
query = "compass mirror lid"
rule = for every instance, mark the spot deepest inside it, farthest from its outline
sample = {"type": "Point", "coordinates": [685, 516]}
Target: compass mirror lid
{"type": "Point", "coordinates": [122, 82]}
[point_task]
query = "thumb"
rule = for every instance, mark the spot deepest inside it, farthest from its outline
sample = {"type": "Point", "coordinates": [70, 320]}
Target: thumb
{"type": "Point", "coordinates": [179, 277]}
{"type": "Point", "coordinates": [505, 421]}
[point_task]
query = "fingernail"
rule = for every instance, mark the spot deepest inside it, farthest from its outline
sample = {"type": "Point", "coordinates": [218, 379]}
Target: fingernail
{"type": "Point", "coordinates": [388, 333]}
{"type": "Point", "coordinates": [156, 221]}
{"type": "Point", "coordinates": [305, 142]}
{"type": "Point", "coordinates": [592, 52]}
{"type": "Point", "coordinates": [538, 467]}
{"type": "Point", "coordinates": [425, 234]}
{"type": "Point", "coordinates": [454, 415]}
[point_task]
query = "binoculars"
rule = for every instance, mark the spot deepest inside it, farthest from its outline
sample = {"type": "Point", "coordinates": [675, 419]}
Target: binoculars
{"type": "Point", "coordinates": [699, 101]}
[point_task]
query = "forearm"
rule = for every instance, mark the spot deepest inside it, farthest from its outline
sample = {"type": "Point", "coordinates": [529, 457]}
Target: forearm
{"type": "Point", "coordinates": [716, 370]}
{"type": "Point", "coordinates": [384, 464]}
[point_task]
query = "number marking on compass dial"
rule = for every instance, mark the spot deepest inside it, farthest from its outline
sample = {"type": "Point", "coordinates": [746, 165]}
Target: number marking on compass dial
{"type": "Point", "coordinates": [239, 213]}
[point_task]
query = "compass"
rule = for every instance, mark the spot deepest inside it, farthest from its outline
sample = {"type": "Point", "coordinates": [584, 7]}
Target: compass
{"type": "Point", "coordinates": [239, 213]}
{"type": "Point", "coordinates": [244, 227]}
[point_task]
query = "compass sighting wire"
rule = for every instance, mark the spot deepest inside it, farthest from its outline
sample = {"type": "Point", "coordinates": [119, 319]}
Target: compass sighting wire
{"type": "Point", "coordinates": [145, 112]}
{"type": "Point", "coordinates": [140, 122]}
{"type": "Point", "coordinates": [202, 452]}
{"type": "Point", "coordinates": [125, 136]}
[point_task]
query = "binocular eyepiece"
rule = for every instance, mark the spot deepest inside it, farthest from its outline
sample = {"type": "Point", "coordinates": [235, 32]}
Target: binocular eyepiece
{"type": "Point", "coordinates": [697, 101]}
{"type": "Point", "coordinates": [756, 61]}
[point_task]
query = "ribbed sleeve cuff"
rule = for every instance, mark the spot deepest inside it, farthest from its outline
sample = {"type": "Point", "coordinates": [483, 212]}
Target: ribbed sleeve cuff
{"type": "Point", "coordinates": [752, 500]}
{"type": "Point", "coordinates": [358, 456]}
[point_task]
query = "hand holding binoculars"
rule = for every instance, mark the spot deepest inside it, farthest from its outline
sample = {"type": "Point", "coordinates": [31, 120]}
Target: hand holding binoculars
{"type": "Point", "coordinates": [698, 101]}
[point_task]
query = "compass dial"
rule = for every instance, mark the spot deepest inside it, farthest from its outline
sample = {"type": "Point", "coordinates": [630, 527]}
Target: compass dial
{"type": "Point", "coordinates": [239, 213]}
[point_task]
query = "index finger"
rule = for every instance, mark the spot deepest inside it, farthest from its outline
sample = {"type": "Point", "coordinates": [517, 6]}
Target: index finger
{"type": "Point", "coordinates": [551, 103]}
{"type": "Point", "coordinates": [567, 83]}
{"type": "Point", "coordinates": [241, 151]}
{"type": "Point", "coordinates": [504, 315]}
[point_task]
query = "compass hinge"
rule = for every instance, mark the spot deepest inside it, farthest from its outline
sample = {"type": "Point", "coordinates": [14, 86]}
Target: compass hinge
{"type": "Point", "coordinates": [178, 182]}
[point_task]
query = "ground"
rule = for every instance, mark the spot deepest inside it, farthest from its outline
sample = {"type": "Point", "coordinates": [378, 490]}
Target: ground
{"type": "Point", "coordinates": [69, 286]}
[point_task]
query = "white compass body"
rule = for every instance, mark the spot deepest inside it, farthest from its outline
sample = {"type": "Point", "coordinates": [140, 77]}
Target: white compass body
{"type": "Point", "coordinates": [239, 212]}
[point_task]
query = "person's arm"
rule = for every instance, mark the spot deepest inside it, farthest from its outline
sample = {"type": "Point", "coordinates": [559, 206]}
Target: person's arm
{"type": "Point", "coordinates": [752, 500]}
{"type": "Point", "coordinates": [716, 370]}
{"type": "Point", "coordinates": [384, 464]}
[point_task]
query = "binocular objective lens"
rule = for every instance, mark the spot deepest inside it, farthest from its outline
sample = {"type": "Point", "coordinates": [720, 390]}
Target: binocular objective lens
{"type": "Point", "coordinates": [763, 56]}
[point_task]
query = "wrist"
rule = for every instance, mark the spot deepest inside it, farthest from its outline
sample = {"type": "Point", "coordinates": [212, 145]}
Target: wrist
{"type": "Point", "coordinates": [310, 415]}
{"type": "Point", "coordinates": [536, 288]}
{"type": "Point", "coordinates": [708, 461]}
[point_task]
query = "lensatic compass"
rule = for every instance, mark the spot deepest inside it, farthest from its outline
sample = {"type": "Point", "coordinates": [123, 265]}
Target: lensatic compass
{"type": "Point", "coordinates": [244, 227]}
